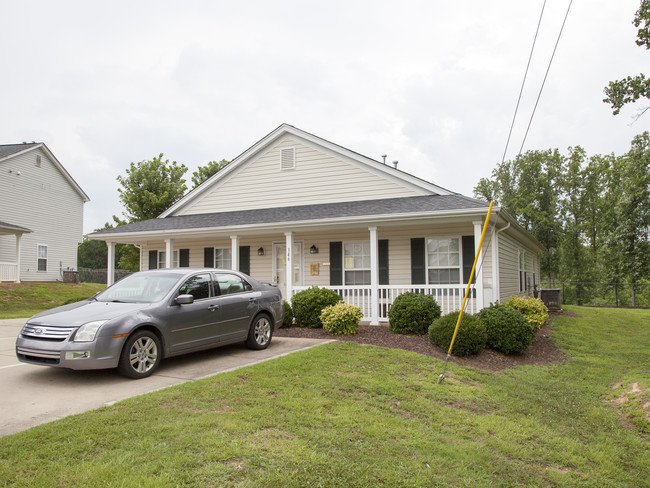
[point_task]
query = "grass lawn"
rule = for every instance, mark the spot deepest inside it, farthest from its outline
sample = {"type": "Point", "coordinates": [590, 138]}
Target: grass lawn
{"type": "Point", "coordinates": [349, 415]}
{"type": "Point", "coordinates": [18, 300]}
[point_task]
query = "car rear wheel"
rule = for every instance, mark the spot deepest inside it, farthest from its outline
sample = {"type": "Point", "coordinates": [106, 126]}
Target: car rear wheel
{"type": "Point", "coordinates": [141, 355]}
{"type": "Point", "coordinates": [259, 335]}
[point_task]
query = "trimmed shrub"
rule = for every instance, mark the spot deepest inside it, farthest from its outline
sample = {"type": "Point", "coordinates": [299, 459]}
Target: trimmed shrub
{"type": "Point", "coordinates": [341, 319]}
{"type": "Point", "coordinates": [288, 315]}
{"type": "Point", "coordinates": [412, 313]}
{"type": "Point", "coordinates": [308, 304]}
{"type": "Point", "coordinates": [471, 335]}
{"type": "Point", "coordinates": [508, 330]}
{"type": "Point", "coordinates": [533, 309]}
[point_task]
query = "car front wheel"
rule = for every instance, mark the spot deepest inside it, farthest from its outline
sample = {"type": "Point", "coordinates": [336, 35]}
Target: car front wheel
{"type": "Point", "coordinates": [259, 335]}
{"type": "Point", "coordinates": [141, 355]}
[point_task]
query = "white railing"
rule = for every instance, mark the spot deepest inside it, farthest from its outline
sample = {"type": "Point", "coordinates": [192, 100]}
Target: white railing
{"type": "Point", "coordinates": [8, 271]}
{"type": "Point", "coordinates": [449, 297]}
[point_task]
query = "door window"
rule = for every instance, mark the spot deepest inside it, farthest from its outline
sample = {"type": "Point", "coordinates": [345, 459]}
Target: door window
{"type": "Point", "coordinates": [199, 286]}
{"type": "Point", "coordinates": [231, 283]}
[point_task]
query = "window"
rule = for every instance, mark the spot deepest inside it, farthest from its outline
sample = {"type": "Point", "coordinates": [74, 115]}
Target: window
{"type": "Point", "coordinates": [223, 258]}
{"type": "Point", "coordinates": [42, 258]}
{"type": "Point", "coordinates": [288, 159]}
{"type": "Point", "coordinates": [443, 261]}
{"type": "Point", "coordinates": [162, 256]}
{"type": "Point", "coordinates": [522, 271]}
{"type": "Point", "coordinates": [199, 286]}
{"type": "Point", "coordinates": [231, 283]}
{"type": "Point", "coordinates": [356, 263]}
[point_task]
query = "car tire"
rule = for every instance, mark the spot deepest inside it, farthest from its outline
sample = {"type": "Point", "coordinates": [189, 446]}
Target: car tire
{"type": "Point", "coordinates": [141, 355]}
{"type": "Point", "coordinates": [260, 332]}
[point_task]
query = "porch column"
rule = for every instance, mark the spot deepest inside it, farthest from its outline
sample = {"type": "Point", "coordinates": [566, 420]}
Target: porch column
{"type": "Point", "coordinates": [234, 253]}
{"type": "Point", "coordinates": [110, 265]}
{"type": "Point", "coordinates": [169, 252]}
{"type": "Point", "coordinates": [289, 267]}
{"type": "Point", "coordinates": [18, 237]}
{"type": "Point", "coordinates": [374, 277]}
{"type": "Point", "coordinates": [478, 230]}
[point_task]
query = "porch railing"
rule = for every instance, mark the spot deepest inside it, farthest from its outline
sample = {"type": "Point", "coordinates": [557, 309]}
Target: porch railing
{"type": "Point", "coordinates": [449, 297]}
{"type": "Point", "coordinates": [8, 271]}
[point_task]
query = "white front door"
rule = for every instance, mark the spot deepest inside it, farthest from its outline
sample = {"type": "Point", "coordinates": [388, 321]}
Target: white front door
{"type": "Point", "coordinates": [280, 264]}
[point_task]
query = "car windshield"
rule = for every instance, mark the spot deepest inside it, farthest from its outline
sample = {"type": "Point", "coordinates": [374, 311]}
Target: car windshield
{"type": "Point", "coordinates": [139, 287]}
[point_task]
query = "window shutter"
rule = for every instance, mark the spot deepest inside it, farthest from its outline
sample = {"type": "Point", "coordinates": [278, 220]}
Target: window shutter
{"type": "Point", "coordinates": [184, 258]}
{"type": "Point", "coordinates": [208, 257]}
{"type": "Point", "coordinates": [245, 259]}
{"type": "Point", "coordinates": [336, 263]}
{"type": "Point", "coordinates": [288, 159]}
{"type": "Point", "coordinates": [383, 261]}
{"type": "Point", "coordinates": [418, 262]}
{"type": "Point", "coordinates": [153, 259]}
{"type": "Point", "coordinates": [469, 254]}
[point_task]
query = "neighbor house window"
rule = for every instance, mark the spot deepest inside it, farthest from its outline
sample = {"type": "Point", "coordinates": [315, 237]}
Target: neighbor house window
{"type": "Point", "coordinates": [223, 258]}
{"type": "Point", "coordinates": [522, 270]}
{"type": "Point", "coordinates": [443, 261]}
{"type": "Point", "coordinates": [42, 258]}
{"type": "Point", "coordinates": [356, 263]}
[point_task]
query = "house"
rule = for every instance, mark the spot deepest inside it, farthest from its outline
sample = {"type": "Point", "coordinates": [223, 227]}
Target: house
{"type": "Point", "coordinates": [301, 211]}
{"type": "Point", "coordinates": [41, 214]}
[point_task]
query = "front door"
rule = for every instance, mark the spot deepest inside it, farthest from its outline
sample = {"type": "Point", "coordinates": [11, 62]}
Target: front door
{"type": "Point", "coordinates": [280, 264]}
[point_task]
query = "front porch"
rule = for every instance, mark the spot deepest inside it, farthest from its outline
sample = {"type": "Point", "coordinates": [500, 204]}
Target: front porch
{"type": "Point", "coordinates": [10, 270]}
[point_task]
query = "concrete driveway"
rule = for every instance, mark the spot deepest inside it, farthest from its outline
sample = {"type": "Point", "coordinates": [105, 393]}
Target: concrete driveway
{"type": "Point", "coordinates": [33, 395]}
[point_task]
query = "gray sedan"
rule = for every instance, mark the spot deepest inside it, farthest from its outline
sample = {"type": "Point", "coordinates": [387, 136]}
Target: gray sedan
{"type": "Point", "coordinates": [149, 315]}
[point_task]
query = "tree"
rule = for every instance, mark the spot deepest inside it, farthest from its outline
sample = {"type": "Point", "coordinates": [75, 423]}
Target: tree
{"type": "Point", "coordinates": [632, 88]}
{"type": "Point", "coordinates": [204, 172]}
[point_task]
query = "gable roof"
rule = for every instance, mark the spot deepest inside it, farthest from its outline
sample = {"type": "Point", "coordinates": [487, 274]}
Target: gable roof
{"type": "Point", "coordinates": [6, 228]}
{"type": "Point", "coordinates": [266, 142]}
{"type": "Point", "coordinates": [8, 151]}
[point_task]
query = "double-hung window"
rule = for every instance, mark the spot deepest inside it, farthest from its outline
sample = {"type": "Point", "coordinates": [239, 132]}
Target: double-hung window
{"type": "Point", "coordinates": [223, 258]}
{"type": "Point", "coordinates": [42, 257]}
{"type": "Point", "coordinates": [356, 263]}
{"type": "Point", "coordinates": [443, 261]}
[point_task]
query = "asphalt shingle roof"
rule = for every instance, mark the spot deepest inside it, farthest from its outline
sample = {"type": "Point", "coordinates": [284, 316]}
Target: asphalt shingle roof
{"type": "Point", "coordinates": [9, 149]}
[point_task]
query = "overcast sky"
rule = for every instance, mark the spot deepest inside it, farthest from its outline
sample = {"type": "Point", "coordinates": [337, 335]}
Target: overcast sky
{"type": "Point", "coordinates": [432, 84]}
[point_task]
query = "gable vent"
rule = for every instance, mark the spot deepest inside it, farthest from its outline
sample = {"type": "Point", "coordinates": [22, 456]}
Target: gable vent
{"type": "Point", "coordinates": [288, 159]}
{"type": "Point", "coordinates": [38, 161]}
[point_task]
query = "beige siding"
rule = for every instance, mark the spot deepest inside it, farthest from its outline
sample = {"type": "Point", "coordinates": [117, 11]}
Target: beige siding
{"type": "Point", "coordinates": [42, 200]}
{"type": "Point", "coordinates": [509, 250]}
{"type": "Point", "coordinates": [318, 177]}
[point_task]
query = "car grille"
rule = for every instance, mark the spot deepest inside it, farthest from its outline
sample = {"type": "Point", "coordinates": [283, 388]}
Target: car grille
{"type": "Point", "coordinates": [45, 333]}
{"type": "Point", "coordinates": [38, 355]}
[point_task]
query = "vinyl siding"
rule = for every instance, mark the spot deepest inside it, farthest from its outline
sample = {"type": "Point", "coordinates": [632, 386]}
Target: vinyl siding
{"type": "Point", "coordinates": [318, 177]}
{"type": "Point", "coordinates": [42, 200]}
{"type": "Point", "coordinates": [509, 250]}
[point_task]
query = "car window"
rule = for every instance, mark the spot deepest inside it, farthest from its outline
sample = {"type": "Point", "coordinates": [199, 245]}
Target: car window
{"type": "Point", "coordinates": [139, 287]}
{"type": "Point", "coordinates": [199, 286]}
{"type": "Point", "coordinates": [231, 283]}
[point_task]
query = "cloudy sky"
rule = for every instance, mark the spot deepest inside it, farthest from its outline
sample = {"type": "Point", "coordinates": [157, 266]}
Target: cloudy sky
{"type": "Point", "coordinates": [432, 84]}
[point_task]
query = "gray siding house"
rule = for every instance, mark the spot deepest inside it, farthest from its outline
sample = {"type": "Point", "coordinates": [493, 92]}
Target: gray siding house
{"type": "Point", "coordinates": [41, 214]}
{"type": "Point", "coordinates": [300, 211]}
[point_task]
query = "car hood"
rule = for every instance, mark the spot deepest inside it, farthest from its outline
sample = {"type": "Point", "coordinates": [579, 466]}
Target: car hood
{"type": "Point", "coordinates": [79, 313]}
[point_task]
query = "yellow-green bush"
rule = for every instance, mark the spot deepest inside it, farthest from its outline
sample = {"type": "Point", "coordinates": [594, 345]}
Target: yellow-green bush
{"type": "Point", "coordinates": [533, 309]}
{"type": "Point", "coordinates": [341, 319]}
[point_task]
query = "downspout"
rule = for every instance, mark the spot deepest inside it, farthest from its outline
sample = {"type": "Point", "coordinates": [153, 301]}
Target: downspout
{"type": "Point", "coordinates": [496, 252]}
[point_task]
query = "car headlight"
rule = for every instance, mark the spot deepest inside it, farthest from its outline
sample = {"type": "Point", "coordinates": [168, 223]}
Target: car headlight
{"type": "Point", "coordinates": [87, 332]}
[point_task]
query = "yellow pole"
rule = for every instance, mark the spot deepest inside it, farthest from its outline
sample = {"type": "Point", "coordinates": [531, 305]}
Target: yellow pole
{"type": "Point", "coordinates": [469, 284]}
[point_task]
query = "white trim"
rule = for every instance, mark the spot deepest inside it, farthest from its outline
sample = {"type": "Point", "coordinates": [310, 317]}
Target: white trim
{"type": "Point", "coordinates": [38, 258]}
{"type": "Point", "coordinates": [459, 238]}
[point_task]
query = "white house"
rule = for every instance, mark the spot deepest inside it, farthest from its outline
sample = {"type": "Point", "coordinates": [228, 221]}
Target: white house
{"type": "Point", "coordinates": [41, 214]}
{"type": "Point", "coordinates": [301, 211]}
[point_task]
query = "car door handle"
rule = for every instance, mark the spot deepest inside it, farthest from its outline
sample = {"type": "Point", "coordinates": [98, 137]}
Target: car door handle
{"type": "Point", "coordinates": [212, 308]}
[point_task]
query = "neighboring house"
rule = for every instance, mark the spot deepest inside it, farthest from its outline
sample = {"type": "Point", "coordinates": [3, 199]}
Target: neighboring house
{"type": "Point", "coordinates": [41, 214]}
{"type": "Point", "coordinates": [300, 211]}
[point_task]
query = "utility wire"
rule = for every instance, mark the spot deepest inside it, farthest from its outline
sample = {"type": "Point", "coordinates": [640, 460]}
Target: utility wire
{"type": "Point", "coordinates": [545, 76]}
{"type": "Point", "coordinates": [532, 49]}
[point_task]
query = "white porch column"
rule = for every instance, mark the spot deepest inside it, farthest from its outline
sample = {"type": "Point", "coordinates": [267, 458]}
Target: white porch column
{"type": "Point", "coordinates": [18, 237]}
{"type": "Point", "coordinates": [169, 252]}
{"type": "Point", "coordinates": [289, 266]}
{"type": "Point", "coordinates": [478, 230]}
{"type": "Point", "coordinates": [374, 277]}
{"type": "Point", "coordinates": [235, 253]}
{"type": "Point", "coordinates": [110, 265]}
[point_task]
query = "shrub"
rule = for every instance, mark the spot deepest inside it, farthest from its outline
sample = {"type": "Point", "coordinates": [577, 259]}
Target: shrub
{"type": "Point", "coordinates": [288, 315]}
{"type": "Point", "coordinates": [412, 313]}
{"type": "Point", "coordinates": [308, 304]}
{"type": "Point", "coordinates": [507, 330]}
{"type": "Point", "coordinates": [533, 309]}
{"type": "Point", "coordinates": [469, 340]}
{"type": "Point", "coordinates": [341, 318]}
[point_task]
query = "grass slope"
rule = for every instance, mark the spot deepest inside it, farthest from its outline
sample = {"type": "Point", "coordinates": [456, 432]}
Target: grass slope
{"type": "Point", "coordinates": [350, 415]}
{"type": "Point", "coordinates": [26, 299]}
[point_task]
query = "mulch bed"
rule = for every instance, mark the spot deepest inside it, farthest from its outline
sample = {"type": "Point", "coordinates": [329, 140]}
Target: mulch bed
{"type": "Point", "coordinates": [542, 351]}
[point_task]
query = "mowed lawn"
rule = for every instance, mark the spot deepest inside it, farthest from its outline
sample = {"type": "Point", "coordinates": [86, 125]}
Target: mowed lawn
{"type": "Point", "coordinates": [349, 415]}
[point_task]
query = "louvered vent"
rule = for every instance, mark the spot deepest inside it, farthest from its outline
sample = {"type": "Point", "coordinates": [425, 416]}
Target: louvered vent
{"type": "Point", "coordinates": [38, 161]}
{"type": "Point", "coordinates": [288, 159]}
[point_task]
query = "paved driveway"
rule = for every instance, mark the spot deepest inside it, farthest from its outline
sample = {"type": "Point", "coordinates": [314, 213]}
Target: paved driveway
{"type": "Point", "coordinates": [32, 395]}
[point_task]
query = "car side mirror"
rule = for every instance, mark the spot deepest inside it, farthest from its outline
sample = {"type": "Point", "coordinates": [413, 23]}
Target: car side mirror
{"type": "Point", "coordinates": [184, 299]}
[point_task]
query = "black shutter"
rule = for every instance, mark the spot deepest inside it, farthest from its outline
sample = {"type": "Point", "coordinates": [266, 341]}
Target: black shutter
{"type": "Point", "coordinates": [245, 259]}
{"type": "Point", "coordinates": [153, 259]}
{"type": "Point", "coordinates": [418, 262]}
{"type": "Point", "coordinates": [469, 254]}
{"type": "Point", "coordinates": [184, 258]}
{"type": "Point", "coordinates": [336, 263]}
{"type": "Point", "coordinates": [383, 261]}
{"type": "Point", "coordinates": [208, 257]}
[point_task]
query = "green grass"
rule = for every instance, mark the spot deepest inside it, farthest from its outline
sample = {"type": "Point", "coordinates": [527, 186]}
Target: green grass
{"type": "Point", "coordinates": [349, 415]}
{"type": "Point", "coordinates": [26, 299]}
